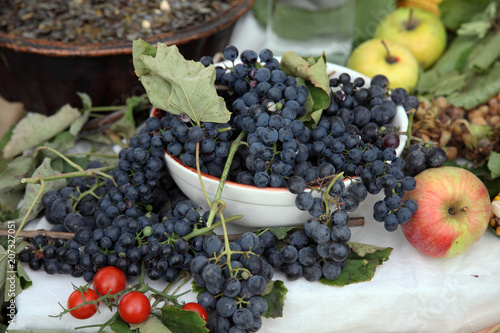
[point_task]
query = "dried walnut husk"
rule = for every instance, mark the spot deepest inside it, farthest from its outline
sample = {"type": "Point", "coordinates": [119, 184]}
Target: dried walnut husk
{"type": "Point", "coordinates": [471, 134]}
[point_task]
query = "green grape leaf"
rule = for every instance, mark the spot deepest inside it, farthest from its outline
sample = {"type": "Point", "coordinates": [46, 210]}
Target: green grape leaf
{"type": "Point", "coordinates": [177, 85]}
{"type": "Point", "coordinates": [280, 232]}
{"type": "Point", "coordinates": [37, 128]}
{"type": "Point", "coordinates": [62, 142]}
{"type": "Point", "coordinates": [474, 28]}
{"type": "Point", "coordinates": [275, 299]}
{"type": "Point", "coordinates": [485, 53]}
{"type": "Point", "coordinates": [456, 12]}
{"type": "Point", "coordinates": [494, 165]}
{"type": "Point", "coordinates": [9, 201]}
{"type": "Point", "coordinates": [12, 273]}
{"type": "Point", "coordinates": [151, 325]}
{"type": "Point", "coordinates": [17, 169]}
{"type": "Point", "coordinates": [86, 100]}
{"type": "Point", "coordinates": [360, 265]}
{"type": "Point", "coordinates": [181, 321]}
{"type": "Point", "coordinates": [307, 69]}
{"type": "Point", "coordinates": [120, 326]}
{"type": "Point", "coordinates": [310, 72]}
{"type": "Point", "coordinates": [455, 55]}
{"type": "Point", "coordinates": [195, 288]}
{"type": "Point", "coordinates": [359, 250]}
{"type": "Point", "coordinates": [443, 84]}
{"type": "Point", "coordinates": [479, 89]}
{"type": "Point", "coordinates": [77, 125]}
{"type": "Point", "coordinates": [32, 190]}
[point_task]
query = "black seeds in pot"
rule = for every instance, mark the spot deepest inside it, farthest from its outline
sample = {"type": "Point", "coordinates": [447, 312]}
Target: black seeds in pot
{"type": "Point", "coordinates": [94, 21]}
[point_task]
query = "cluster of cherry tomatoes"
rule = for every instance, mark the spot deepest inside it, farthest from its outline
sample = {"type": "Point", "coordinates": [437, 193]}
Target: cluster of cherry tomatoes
{"type": "Point", "coordinates": [134, 307]}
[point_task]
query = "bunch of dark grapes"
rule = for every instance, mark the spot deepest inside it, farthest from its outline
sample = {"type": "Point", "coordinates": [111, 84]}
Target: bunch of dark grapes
{"type": "Point", "coordinates": [233, 285]}
{"type": "Point", "coordinates": [74, 206]}
{"type": "Point", "coordinates": [318, 251]}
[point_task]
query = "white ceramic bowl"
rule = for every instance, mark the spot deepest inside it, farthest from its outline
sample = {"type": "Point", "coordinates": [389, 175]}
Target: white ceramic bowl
{"type": "Point", "coordinates": [266, 207]}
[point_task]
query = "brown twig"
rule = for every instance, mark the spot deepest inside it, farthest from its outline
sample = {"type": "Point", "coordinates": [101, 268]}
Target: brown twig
{"type": "Point", "coordinates": [353, 222]}
{"type": "Point", "coordinates": [99, 123]}
{"type": "Point", "coordinates": [40, 232]}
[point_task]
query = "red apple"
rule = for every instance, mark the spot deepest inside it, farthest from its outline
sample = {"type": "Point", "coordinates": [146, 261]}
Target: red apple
{"type": "Point", "coordinates": [453, 212]}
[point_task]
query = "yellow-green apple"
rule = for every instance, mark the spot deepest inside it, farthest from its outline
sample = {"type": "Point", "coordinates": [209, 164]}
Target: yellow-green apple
{"type": "Point", "coordinates": [422, 32]}
{"type": "Point", "coordinates": [453, 212]}
{"type": "Point", "coordinates": [379, 56]}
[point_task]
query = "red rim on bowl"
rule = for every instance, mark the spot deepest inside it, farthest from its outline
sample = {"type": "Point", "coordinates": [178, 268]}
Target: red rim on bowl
{"type": "Point", "coordinates": [45, 75]}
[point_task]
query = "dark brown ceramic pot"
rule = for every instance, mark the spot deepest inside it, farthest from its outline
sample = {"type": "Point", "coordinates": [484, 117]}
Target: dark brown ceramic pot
{"type": "Point", "coordinates": [45, 75]}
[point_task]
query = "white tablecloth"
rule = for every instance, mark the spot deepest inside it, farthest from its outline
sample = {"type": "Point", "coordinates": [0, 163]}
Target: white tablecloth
{"type": "Point", "coordinates": [409, 293]}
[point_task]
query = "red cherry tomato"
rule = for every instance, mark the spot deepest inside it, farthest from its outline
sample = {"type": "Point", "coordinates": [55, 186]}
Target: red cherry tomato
{"type": "Point", "coordinates": [134, 307]}
{"type": "Point", "coordinates": [109, 279]}
{"type": "Point", "coordinates": [195, 307]}
{"type": "Point", "coordinates": [86, 311]}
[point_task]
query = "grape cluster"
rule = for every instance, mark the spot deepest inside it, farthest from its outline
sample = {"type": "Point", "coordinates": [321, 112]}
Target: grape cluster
{"type": "Point", "coordinates": [233, 285]}
{"type": "Point", "coordinates": [125, 243]}
{"type": "Point", "coordinates": [421, 157]}
{"type": "Point", "coordinates": [353, 136]}
{"type": "Point", "coordinates": [74, 206]}
{"type": "Point", "coordinates": [318, 251]}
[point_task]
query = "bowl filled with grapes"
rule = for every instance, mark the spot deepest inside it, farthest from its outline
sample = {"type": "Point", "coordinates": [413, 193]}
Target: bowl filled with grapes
{"type": "Point", "coordinates": [291, 149]}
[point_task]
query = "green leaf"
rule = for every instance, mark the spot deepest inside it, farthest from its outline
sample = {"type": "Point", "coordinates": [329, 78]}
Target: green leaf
{"type": "Point", "coordinates": [132, 103]}
{"type": "Point", "coordinates": [456, 12]}
{"type": "Point", "coordinates": [367, 16]}
{"type": "Point", "coordinates": [479, 91]}
{"type": "Point", "coordinates": [9, 200]}
{"type": "Point", "coordinates": [443, 84]}
{"type": "Point", "coordinates": [13, 278]}
{"type": "Point", "coordinates": [32, 190]}
{"type": "Point", "coordinates": [314, 72]}
{"type": "Point", "coordinates": [196, 288]}
{"type": "Point", "coordinates": [4, 268]}
{"type": "Point", "coordinates": [455, 55]}
{"type": "Point", "coordinates": [177, 85]}
{"type": "Point", "coordinates": [81, 161]}
{"type": "Point", "coordinates": [6, 137]}
{"type": "Point", "coordinates": [17, 169]}
{"type": "Point", "coordinates": [361, 264]}
{"type": "Point", "coordinates": [120, 326]}
{"type": "Point", "coordinates": [494, 165]}
{"type": "Point", "coordinates": [8, 211]}
{"type": "Point", "coordinates": [151, 325]}
{"type": "Point", "coordinates": [86, 100]}
{"type": "Point", "coordinates": [181, 321]}
{"type": "Point", "coordinates": [275, 299]}
{"type": "Point", "coordinates": [310, 72]}
{"type": "Point", "coordinates": [280, 232]}
{"type": "Point", "coordinates": [62, 142]}
{"type": "Point", "coordinates": [24, 280]}
{"type": "Point", "coordinates": [485, 53]}
{"type": "Point", "coordinates": [77, 125]}
{"type": "Point", "coordinates": [33, 130]}
{"type": "Point", "coordinates": [474, 28]}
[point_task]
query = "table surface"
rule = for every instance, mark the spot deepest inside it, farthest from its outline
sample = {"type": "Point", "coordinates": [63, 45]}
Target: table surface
{"type": "Point", "coordinates": [409, 292]}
